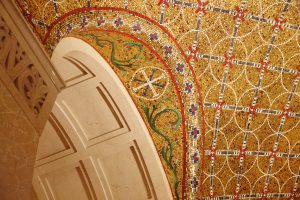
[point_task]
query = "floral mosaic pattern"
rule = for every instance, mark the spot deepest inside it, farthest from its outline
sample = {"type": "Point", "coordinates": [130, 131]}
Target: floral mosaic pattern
{"type": "Point", "coordinates": [241, 141]}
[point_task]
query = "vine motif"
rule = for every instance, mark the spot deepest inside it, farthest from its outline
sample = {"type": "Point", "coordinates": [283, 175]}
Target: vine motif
{"type": "Point", "coordinates": [120, 64]}
{"type": "Point", "coordinates": [167, 151]}
{"type": "Point", "coordinates": [18, 66]}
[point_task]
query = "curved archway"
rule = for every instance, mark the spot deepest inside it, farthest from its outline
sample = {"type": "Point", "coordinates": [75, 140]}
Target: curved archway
{"type": "Point", "coordinates": [185, 173]}
{"type": "Point", "coordinates": [95, 144]}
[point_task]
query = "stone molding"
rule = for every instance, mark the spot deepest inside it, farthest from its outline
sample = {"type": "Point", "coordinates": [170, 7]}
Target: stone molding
{"type": "Point", "coordinates": [25, 68]}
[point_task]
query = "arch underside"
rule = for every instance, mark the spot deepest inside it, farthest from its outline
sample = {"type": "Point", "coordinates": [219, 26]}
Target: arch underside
{"type": "Point", "coordinates": [242, 139]}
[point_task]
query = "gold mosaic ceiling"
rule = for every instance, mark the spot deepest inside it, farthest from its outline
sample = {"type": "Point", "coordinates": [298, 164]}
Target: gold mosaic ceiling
{"type": "Point", "coordinates": [215, 81]}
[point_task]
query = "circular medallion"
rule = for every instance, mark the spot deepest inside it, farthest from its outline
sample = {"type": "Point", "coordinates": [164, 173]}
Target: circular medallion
{"type": "Point", "coordinates": [149, 83]}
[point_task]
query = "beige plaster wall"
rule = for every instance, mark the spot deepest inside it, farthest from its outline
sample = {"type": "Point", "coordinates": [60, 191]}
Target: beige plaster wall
{"type": "Point", "coordinates": [18, 142]}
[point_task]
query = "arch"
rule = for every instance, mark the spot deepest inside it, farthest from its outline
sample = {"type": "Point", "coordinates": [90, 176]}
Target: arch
{"type": "Point", "coordinates": [72, 23]}
{"type": "Point", "coordinates": [85, 140]}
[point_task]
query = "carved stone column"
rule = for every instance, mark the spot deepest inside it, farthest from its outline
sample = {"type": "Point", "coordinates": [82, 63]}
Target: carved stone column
{"type": "Point", "coordinates": [28, 89]}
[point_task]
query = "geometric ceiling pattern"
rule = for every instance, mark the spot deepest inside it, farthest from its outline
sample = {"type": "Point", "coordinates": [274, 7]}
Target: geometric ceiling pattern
{"type": "Point", "coordinates": [216, 82]}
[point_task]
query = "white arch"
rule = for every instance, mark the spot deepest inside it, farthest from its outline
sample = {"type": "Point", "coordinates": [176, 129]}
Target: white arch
{"type": "Point", "coordinates": [101, 136]}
